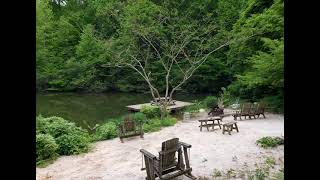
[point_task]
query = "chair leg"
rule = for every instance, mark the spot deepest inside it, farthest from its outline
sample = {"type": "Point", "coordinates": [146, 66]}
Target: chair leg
{"type": "Point", "coordinates": [230, 129]}
{"type": "Point", "coordinates": [121, 139]}
{"type": "Point", "coordinates": [264, 115]}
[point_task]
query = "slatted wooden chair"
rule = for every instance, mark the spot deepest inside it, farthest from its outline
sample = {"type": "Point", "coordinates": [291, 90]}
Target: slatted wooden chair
{"type": "Point", "coordinates": [129, 128]}
{"type": "Point", "coordinates": [167, 166]}
{"type": "Point", "coordinates": [260, 110]}
{"type": "Point", "coordinates": [253, 110]}
{"type": "Point", "coordinates": [244, 111]}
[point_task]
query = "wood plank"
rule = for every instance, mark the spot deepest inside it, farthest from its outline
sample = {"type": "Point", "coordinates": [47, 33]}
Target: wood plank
{"type": "Point", "coordinates": [178, 105]}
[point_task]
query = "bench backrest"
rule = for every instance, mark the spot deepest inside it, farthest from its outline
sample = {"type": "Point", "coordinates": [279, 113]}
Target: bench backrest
{"type": "Point", "coordinates": [261, 107]}
{"type": "Point", "coordinates": [246, 108]}
{"type": "Point", "coordinates": [128, 124]}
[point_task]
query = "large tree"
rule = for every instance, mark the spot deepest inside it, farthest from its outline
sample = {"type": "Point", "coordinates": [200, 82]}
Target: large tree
{"type": "Point", "coordinates": [177, 45]}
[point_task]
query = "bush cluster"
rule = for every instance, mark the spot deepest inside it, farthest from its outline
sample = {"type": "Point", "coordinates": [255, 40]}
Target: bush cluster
{"type": "Point", "coordinates": [56, 135]}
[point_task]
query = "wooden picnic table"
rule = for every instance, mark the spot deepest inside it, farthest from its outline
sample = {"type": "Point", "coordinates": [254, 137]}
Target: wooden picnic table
{"type": "Point", "coordinates": [206, 122]}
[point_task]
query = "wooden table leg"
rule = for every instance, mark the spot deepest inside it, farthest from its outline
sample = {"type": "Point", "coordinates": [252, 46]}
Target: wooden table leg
{"type": "Point", "coordinates": [219, 124]}
{"type": "Point", "coordinates": [201, 126]}
{"type": "Point", "coordinates": [207, 125]}
{"type": "Point", "coordinates": [236, 126]}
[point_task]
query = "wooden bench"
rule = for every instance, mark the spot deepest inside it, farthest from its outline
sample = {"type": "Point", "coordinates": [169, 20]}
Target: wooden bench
{"type": "Point", "coordinates": [129, 128]}
{"type": "Point", "coordinates": [204, 123]}
{"type": "Point", "coordinates": [229, 127]}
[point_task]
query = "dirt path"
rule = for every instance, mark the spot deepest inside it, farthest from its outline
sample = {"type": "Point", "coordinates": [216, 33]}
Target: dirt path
{"type": "Point", "coordinates": [113, 160]}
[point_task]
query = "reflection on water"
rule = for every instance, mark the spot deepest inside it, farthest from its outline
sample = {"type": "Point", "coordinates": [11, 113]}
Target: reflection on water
{"type": "Point", "coordinates": [94, 109]}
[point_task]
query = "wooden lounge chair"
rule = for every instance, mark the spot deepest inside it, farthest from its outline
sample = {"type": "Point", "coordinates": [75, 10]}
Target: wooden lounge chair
{"type": "Point", "coordinates": [245, 111]}
{"type": "Point", "coordinates": [260, 110]}
{"type": "Point", "coordinates": [166, 165]}
{"type": "Point", "coordinates": [128, 129]}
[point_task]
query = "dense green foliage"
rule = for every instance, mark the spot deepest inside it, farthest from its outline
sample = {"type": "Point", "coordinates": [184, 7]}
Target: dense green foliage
{"type": "Point", "coordinates": [108, 130]}
{"type": "Point", "coordinates": [74, 40]}
{"type": "Point", "coordinates": [210, 102]}
{"type": "Point", "coordinates": [151, 111]}
{"type": "Point", "coordinates": [57, 136]}
{"type": "Point", "coordinates": [268, 141]}
{"type": "Point", "coordinates": [155, 124]}
{"type": "Point", "coordinates": [46, 147]}
{"type": "Point", "coordinates": [61, 136]}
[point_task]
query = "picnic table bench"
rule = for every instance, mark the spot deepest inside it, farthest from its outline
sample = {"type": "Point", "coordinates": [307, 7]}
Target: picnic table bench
{"type": "Point", "coordinates": [229, 126]}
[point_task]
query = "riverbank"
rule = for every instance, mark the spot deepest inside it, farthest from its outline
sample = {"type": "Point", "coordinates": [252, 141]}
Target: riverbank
{"type": "Point", "coordinates": [211, 150]}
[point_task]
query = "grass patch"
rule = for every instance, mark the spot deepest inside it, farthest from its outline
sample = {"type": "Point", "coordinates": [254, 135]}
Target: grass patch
{"type": "Point", "coordinates": [267, 142]}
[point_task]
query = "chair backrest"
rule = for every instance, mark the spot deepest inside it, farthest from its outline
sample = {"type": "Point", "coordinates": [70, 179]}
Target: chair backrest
{"type": "Point", "coordinates": [261, 107]}
{"type": "Point", "coordinates": [246, 107]}
{"type": "Point", "coordinates": [168, 153]}
{"type": "Point", "coordinates": [128, 124]}
{"type": "Point", "coordinates": [254, 108]}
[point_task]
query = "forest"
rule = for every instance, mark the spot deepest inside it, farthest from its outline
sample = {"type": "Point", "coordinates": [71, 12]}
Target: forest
{"type": "Point", "coordinates": [77, 39]}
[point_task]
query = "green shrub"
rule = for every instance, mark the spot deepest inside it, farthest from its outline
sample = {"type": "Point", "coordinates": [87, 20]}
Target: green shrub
{"type": "Point", "coordinates": [217, 173]}
{"type": "Point", "coordinates": [268, 141]}
{"type": "Point", "coordinates": [274, 102]}
{"type": "Point", "coordinates": [151, 111]}
{"type": "Point", "coordinates": [75, 143]}
{"type": "Point", "coordinates": [270, 161]}
{"type": "Point", "coordinates": [106, 131]}
{"type": "Point", "coordinates": [194, 107]}
{"type": "Point", "coordinates": [168, 121]}
{"type": "Point", "coordinates": [279, 175]}
{"type": "Point", "coordinates": [46, 147]}
{"type": "Point", "coordinates": [70, 138]}
{"type": "Point", "coordinates": [210, 102]}
{"type": "Point", "coordinates": [261, 174]}
{"type": "Point", "coordinates": [152, 125]}
{"type": "Point", "coordinates": [140, 117]}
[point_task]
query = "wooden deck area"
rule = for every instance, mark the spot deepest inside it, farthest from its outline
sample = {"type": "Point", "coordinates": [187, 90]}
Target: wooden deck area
{"type": "Point", "coordinates": [178, 105]}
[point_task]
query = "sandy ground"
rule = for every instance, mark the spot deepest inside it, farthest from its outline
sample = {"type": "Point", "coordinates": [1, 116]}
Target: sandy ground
{"type": "Point", "coordinates": [111, 159]}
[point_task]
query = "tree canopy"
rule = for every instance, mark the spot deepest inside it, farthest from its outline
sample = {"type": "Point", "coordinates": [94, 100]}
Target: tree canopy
{"type": "Point", "coordinates": [75, 39]}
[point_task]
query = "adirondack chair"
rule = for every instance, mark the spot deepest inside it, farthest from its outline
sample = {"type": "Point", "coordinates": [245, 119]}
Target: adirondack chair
{"type": "Point", "coordinates": [253, 110]}
{"type": "Point", "coordinates": [128, 129]}
{"type": "Point", "coordinates": [166, 165]}
{"type": "Point", "coordinates": [245, 111]}
{"type": "Point", "coordinates": [260, 110]}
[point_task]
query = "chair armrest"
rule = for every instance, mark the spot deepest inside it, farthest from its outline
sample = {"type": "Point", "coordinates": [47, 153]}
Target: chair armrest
{"type": "Point", "coordinates": [148, 154]}
{"type": "Point", "coordinates": [185, 144]}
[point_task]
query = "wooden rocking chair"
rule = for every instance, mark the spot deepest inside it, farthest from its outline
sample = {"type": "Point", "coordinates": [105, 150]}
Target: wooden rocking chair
{"type": "Point", "coordinates": [128, 129]}
{"type": "Point", "coordinates": [245, 111]}
{"type": "Point", "coordinates": [165, 166]}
